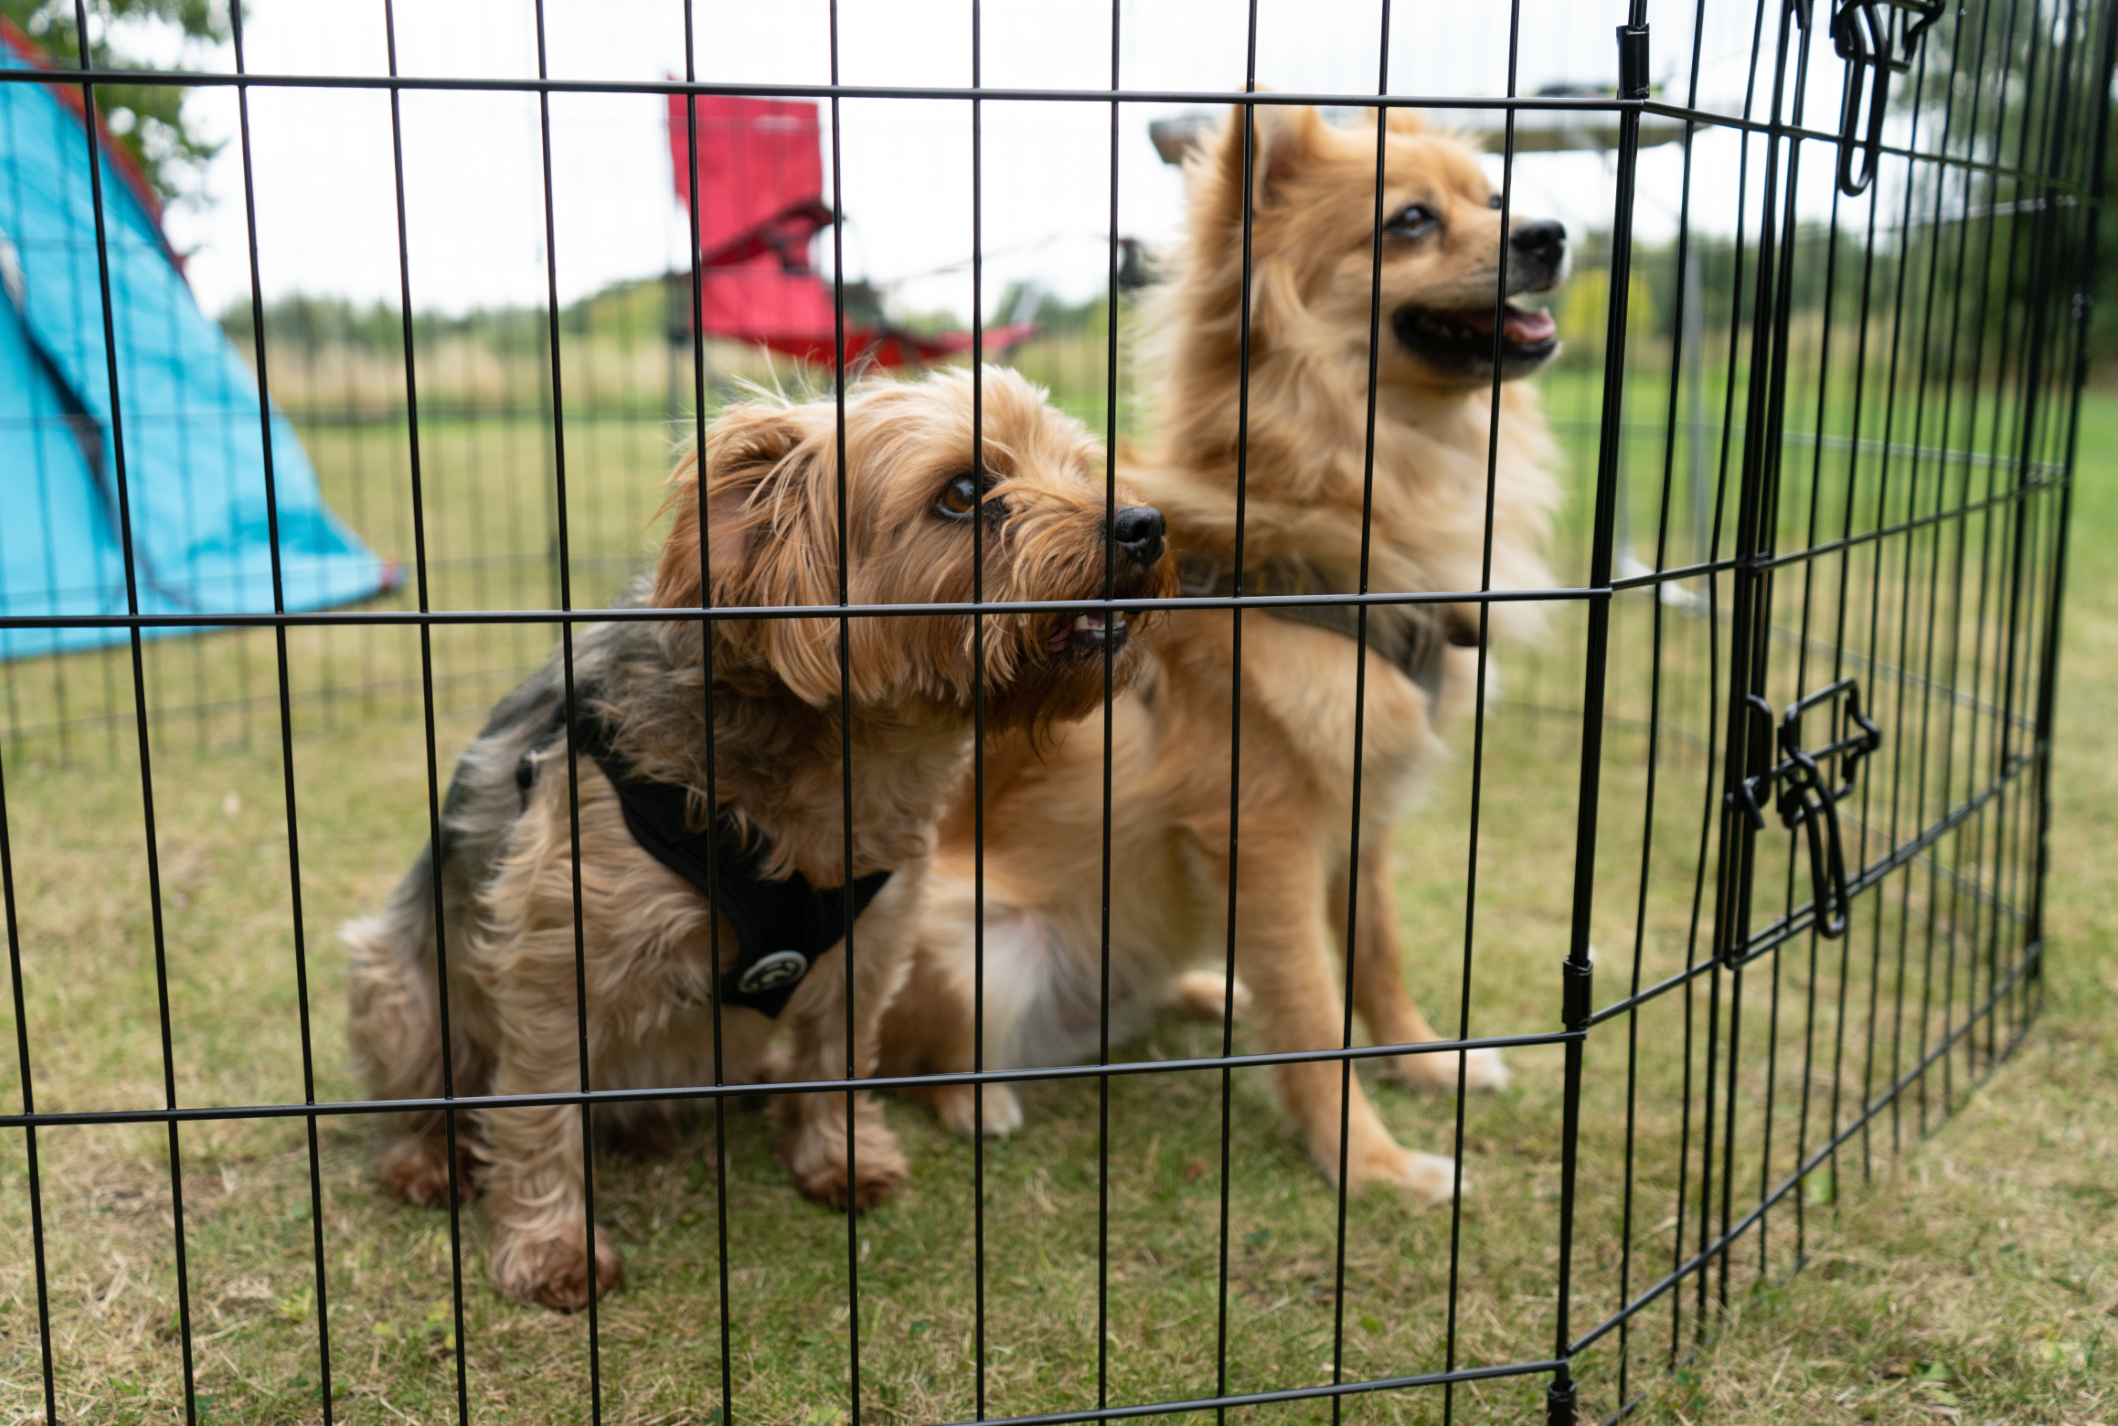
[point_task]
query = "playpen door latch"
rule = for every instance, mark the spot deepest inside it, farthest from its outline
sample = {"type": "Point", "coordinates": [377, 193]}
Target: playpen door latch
{"type": "Point", "coordinates": [1876, 42]}
{"type": "Point", "coordinates": [1808, 797]}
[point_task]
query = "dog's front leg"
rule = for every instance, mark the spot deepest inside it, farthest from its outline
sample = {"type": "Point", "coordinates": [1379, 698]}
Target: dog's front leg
{"type": "Point", "coordinates": [1379, 994]}
{"type": "Point", "coordinates": [1284, 953]}
{"type": "Point", "coordinates": [534, 1181]}
{"type": "Point", "coordinates": [815, 1144]}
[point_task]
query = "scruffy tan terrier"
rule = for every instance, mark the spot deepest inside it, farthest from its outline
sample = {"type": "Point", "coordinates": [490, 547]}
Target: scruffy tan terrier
{"type": "Point", "coordinates": [1447, 271]}
{"type": "Point", "coordinates": [776, 819]}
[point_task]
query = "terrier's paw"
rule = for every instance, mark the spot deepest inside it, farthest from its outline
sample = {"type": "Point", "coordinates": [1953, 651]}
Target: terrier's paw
{"type": "Point", "coordinates": [814, 1155]}
{"type": "Point", "coordinates": [1000, 1116]}
{"type": "Point", "coordinates": [1436, 1073]}
{"type": "Point", "coordinates": [1203, 995]}
{"type": "Point", "coordinates": [1427, 1178]}
{"type": "Point", "coordinates": [553, 1272]}
{"type": "Point", "coordinates": [415, 1169]}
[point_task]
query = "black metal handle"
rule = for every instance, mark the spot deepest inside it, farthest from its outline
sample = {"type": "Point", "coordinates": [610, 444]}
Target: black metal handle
{"type": "Point", "coordinates": [1861, 33]}
{"type": "Point", "coordinates": [1807, 798]}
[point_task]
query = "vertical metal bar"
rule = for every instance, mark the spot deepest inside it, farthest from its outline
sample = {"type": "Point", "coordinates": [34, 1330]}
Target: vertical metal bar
{"type": "Point", "coordinates": [2084, 307]}
{"type": "Point", "coordinates": [1685, 336]}
{"type": "Point", "coordinates": [426, 686]}
{"type": "Point", "coordinates": [1478, 695]}
{"type": "Point", "coordinates": [1235, 701]}
{"type": "Point", "coordinates": [1947, 684]}
{"type": "Point", "coordinates": [845, 711]}
{"type": "Point", "coordinates": [1712, 587]}
{"type": "Point", "coordinates": [286, 722]}
{"type": "Point", "coordinates": [1747, 751]}
{"type": "Point", "coordinates": [1978, 352]}
{"type": "Point", "coordinates": [1360, 709]}
{"type": "Point", "coordinates": [564, 575]}
{"type": "Point", "coordinates": [91, 132]}
{"type": "Point", "coordinates": [29, 1106]}
{"type": "Point", "coordinates": [1739, 662]}
{"type": "Point", "coordinates": [1775, 450]}
{"type": "Point", "coordinates": [1559, 1397]}
{"type": "Point", "coordinates": [706, 637]}
{"type": "Point", "coordinates": [978, 691]}
{"type": "Point", "coordinates": [1110, 538]}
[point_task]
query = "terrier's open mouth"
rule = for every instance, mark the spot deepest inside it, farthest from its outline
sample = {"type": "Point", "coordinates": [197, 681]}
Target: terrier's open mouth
{"type": "Point", "coordinates": [1086, 633]}
{"type": "Point", "coordinates": [1463, 337]}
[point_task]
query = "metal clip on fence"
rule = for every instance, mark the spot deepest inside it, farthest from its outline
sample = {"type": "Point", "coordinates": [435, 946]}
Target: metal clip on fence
{"type": "Point", "coordinates": [1807, 798]}
{"type": "Point", "coordinates": [1860, 32]}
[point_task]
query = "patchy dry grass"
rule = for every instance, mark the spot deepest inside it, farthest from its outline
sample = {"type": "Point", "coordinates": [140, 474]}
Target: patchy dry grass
{"type": "Point", "coordinates": [1977, 1273]}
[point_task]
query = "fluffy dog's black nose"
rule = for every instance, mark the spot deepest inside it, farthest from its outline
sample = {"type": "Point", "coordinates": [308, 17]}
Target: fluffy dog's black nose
{"type": "Point", "coordinates": [1139, 532]}
{"type": "Point", "coordinates": [1542, 242]}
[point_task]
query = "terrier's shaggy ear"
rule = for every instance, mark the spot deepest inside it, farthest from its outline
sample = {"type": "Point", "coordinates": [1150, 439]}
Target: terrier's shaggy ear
{"type": "Point", "coordinates": [771, 539]}
{"type": "Point", "coordinates": [1284, 135]}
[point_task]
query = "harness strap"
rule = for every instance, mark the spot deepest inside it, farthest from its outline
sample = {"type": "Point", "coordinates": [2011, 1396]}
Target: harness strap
{"type": "Point", "coordinates": [1411, 637]}
{"type": "Point", "coordinates": [782, 924]}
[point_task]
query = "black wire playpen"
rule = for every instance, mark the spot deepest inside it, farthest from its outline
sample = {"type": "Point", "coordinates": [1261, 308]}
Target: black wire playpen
{"type": "Point", "coordinates": [1743, 863]}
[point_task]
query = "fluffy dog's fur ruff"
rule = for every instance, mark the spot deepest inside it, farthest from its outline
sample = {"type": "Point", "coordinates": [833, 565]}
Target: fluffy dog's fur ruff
{"type": "Point", "coordinates": [506, 861]}
{"type": "Point", "coordinates": [1314, 206]}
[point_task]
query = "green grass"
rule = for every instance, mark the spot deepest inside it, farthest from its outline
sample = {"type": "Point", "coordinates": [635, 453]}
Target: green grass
{"type": "Point", "coordinates": [1975, 1272]}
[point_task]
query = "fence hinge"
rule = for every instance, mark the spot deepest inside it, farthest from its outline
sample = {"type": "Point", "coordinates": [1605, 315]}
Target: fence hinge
{"type": "Point", "coordinates": [1577, 998]}
{"type": "Point", "coordinates": [1808, 798]}
{"type": "Point", "coordinates": [1632, 62]}
{"type": "Point", "coordinates": [1559, 1403]}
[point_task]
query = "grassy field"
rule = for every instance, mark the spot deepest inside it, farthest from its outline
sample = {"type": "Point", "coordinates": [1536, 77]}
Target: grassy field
{"type": "Point", "coordinates": [1974, 1273]}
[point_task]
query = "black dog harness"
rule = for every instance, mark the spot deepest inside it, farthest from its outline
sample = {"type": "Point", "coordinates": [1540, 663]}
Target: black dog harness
{"type": "Point", "coordinates": [1412, 637]}
{"type": "Point", "coordinates": [782, 925]}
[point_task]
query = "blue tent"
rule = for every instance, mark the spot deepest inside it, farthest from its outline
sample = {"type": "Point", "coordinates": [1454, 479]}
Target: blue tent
{"type": "Point", "coordinates": [194, 454]}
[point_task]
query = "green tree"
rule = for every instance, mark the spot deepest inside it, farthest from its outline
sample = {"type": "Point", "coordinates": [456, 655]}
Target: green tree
{"type": "Point", "coordinates": [147, 120]}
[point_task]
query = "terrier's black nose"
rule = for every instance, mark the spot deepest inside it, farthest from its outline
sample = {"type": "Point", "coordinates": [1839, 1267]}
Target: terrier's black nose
{"type": "Point", "coordinates": [1543, 241]}
{"type": "Point", "coordinates": [1139, 532]}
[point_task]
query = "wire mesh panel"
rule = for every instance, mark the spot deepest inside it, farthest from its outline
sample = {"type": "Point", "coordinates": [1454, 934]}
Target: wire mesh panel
{"type": "Point", "coordinates": [1066, 762]}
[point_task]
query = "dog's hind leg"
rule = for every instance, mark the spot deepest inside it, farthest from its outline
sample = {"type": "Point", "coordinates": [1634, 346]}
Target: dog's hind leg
{"type": "Point", "coordinates": [930, 1027]}
{"type": "Point", "coordinates": [395, 1029]}
{"type": "Point", "coordinates": [1284, 952]}
{"type": "Point", "coordinates": [1379, 994]}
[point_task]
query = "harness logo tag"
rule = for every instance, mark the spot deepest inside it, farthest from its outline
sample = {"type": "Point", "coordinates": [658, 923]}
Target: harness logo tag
{"type": "Point", "coordinates": [773, 971]}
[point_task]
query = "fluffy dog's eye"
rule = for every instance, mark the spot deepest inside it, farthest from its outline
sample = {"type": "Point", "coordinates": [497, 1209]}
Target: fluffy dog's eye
{"type": "Point", "coordinates": [1414, 222]}
{"type": "Point", "coordinates": [1494, 201]}
{"type": "Point", "coordinates": [958, 499]}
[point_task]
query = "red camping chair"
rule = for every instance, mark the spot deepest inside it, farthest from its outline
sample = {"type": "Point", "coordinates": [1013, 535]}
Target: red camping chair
{"type": "Point", "coordinates": [758, 191]}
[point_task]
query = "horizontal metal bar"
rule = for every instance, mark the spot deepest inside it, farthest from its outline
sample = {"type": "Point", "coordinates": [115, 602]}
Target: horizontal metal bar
{"type": "Point", "coordinates": [416, 617]}
{"type": "Point", "coordinates": [2032, 953]}
{"type": "Point", "coordinates": [1267, 1398]}
{"type": "Point", "coordinates": [1773, 129]}
{"type": "Point", "coordinates": [1918, 522]}
{"type": "Point", "coordinates": [1805, 916]}
{"type": "Point", "coordinates": [78, 1117]}
{"type": "Point", "coordinates": [206, 79]}
{"type": "Point", "coordinates": [526, 85]}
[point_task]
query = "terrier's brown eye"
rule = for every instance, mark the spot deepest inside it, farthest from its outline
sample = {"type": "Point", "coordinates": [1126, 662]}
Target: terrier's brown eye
{"type": "Point", "coordinates": [1494, 201]}
{"type": "Point", "coordinates": [959, 498]}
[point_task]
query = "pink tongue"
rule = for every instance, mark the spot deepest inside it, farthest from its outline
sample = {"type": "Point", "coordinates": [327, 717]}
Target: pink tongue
{"type": "Point", "coordinates": [1528, 328]}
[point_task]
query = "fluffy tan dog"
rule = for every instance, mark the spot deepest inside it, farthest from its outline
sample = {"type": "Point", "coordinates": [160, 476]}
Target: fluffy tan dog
{"type": "Point", "coordinates": [507, 885]}
{"type": "Point", "coordinates": [1312, 254]}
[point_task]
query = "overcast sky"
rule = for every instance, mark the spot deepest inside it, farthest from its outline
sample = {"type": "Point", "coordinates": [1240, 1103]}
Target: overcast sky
{"type": "Point", "coordinates": [326, 210]}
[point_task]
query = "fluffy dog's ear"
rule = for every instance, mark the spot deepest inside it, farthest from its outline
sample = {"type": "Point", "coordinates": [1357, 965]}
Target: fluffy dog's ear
{"type": "Point", "coordinates": [1286, 134]}
{"type": "Point", "coordinates": [771, 537]}
{"type": "Point", "coordinates": [1401, 121]}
